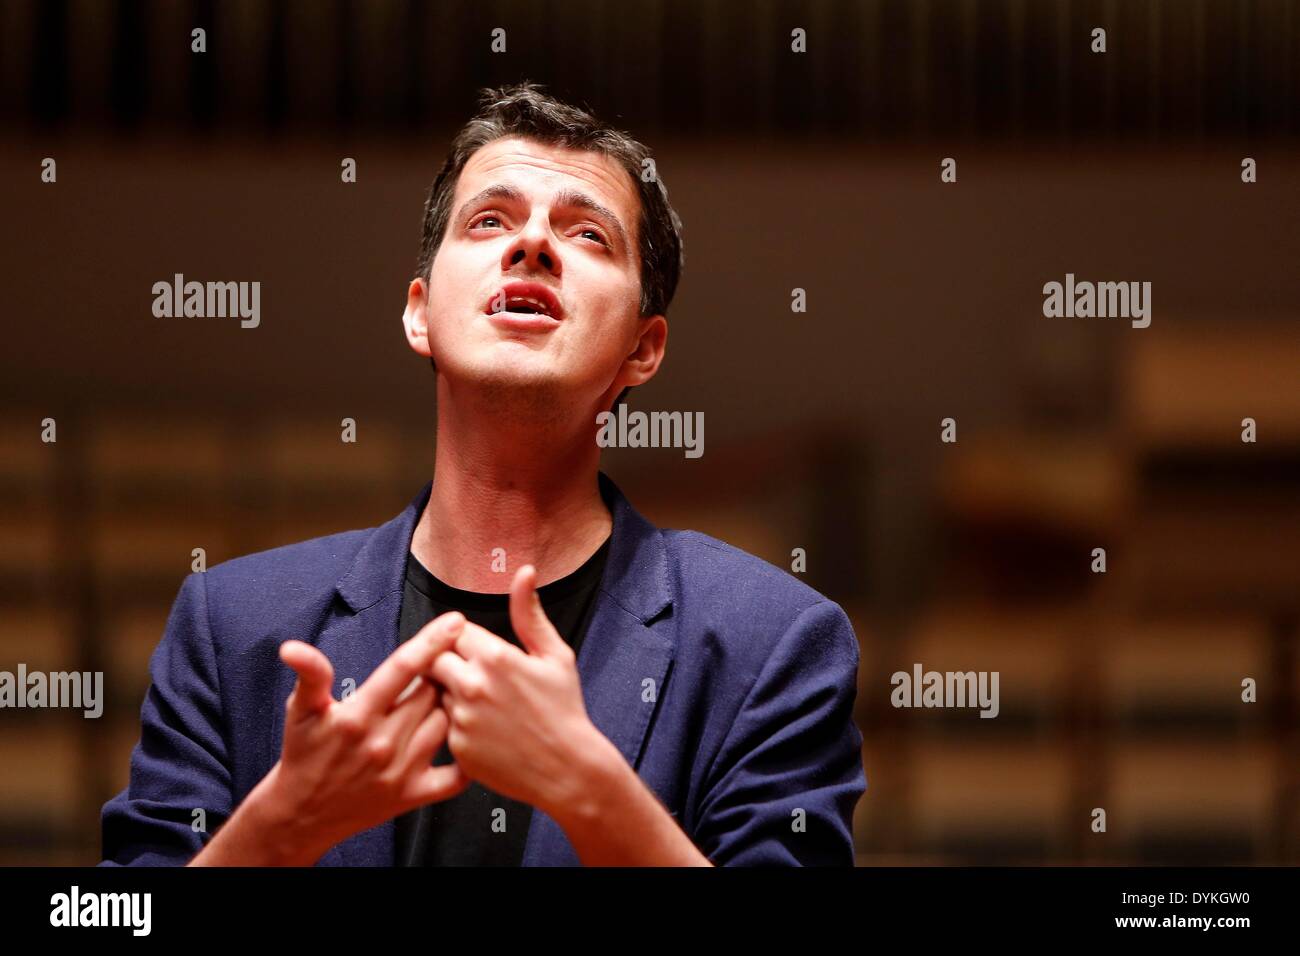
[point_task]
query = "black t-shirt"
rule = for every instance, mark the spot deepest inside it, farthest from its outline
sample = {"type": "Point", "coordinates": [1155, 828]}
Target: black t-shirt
{"type": "Point", "coordinates": [467, 830]}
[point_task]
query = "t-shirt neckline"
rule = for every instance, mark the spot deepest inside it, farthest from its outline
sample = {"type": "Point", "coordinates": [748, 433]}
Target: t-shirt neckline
{"type": "Point", "coordinates": [442, 593]}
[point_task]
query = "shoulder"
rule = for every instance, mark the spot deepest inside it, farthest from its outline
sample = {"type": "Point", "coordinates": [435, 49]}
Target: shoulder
{"type": "Point", "coordinates": [747, 600]}
{"type": "Point", "coordinates": [287, 584]}
{"type": "Point", "coordinates": [714, 567]}
{"type": "Point", "coordinates": [303, 562]}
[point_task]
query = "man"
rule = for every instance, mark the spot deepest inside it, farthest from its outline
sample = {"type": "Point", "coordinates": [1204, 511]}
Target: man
{"type": "Point", "coordinates": [638, 697]}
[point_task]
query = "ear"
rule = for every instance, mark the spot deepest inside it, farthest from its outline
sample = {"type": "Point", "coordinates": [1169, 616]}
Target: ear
{"type": "Point", "coordinates": [416, 317]}
{"type": "Point", "coordinates": [643, 361]}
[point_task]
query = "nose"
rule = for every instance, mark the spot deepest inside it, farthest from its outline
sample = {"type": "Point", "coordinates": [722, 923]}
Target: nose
{"type": "Point", "coordinates": [534, 247]}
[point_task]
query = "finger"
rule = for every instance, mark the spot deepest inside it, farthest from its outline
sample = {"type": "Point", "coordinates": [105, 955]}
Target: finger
{"type": "Point", "coordinates": [417, 682]}
{"type": "Point", "coordinates": [313, 691]}
{"type": "Point", "coordinates": [413, 658]}
{"type": "Point", "coordinates": [405, 718]}
{"type": "Point", "coordinates": [533, 628]}
{"type": "Point", "coordinates": [456, 675]}
{"type": "Point", "coordinates": [427, 737]}
{"type": "Point", "coordinates": [478, 643]}
{"type": "Point", "coordinates": [396, 727]}
{"type": "Point", "coordinates": [434, 784]}
{"type": "Point", "coordinates": [449, 705]}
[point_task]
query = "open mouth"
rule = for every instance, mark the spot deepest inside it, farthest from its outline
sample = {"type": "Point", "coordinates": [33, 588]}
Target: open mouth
{"type": "Point", "coordinates": [525, 306]}
{"type": "Point", "coordinates": [525, 299]}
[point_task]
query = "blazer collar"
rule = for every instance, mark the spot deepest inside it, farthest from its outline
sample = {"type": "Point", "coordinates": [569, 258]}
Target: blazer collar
{"type": "Point", "coordinates": [380, 566]}
{"type": "Point", "coordinates": [636, 573]}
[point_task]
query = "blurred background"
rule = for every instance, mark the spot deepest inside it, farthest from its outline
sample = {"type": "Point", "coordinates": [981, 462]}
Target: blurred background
{"type": "Point", "coordinates": [820, 171]}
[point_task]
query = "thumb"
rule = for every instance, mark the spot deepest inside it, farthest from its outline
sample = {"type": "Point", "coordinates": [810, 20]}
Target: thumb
{"type": "Point", "coordinates": [313, 693]}
{"type": "Point", "coordinates": [533, 628]}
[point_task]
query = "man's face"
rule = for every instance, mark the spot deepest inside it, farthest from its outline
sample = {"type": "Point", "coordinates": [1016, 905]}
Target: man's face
{"type": "Point", "coordinates": [536, 285]}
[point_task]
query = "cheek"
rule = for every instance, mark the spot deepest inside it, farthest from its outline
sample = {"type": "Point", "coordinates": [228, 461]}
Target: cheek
{"type": "Point", "coordinates": [451, 288]}
{"type": "Point", "coordinates": [615, 300]}
{"type": "Point", "coordinates": [613, 320]}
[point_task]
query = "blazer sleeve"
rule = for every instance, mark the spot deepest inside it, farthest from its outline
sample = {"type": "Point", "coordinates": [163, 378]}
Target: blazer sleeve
{"type": "Point", "coordinates": [785, 782]}
{"type": "Point", "coordinates": [180, 763]}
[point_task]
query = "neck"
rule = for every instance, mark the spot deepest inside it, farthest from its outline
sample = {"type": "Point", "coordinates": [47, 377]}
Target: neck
{"type": "Point", "coordinates": [510, 487]}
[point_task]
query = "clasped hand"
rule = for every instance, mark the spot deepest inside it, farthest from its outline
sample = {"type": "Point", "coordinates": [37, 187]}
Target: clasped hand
{"type": "Point", "coordinates": [513, 719]}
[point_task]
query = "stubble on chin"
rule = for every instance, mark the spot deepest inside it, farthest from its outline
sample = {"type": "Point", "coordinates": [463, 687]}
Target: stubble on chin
{"type": "Point", "coordinates": [525, 396]}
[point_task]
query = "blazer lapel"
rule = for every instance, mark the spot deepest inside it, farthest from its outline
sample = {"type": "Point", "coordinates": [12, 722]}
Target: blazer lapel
{"type": "Point", "coordinates": [362, 637]}
{"type": "Point", "coordinates": [625, 655]}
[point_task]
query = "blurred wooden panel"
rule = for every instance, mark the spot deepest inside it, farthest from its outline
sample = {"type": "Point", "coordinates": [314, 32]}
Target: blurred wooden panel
{"type": "Point", "coordinates": [40, 856]}
{"type": "Point", "coordinates": [43, 773]}
{"type": "Point", "coordinates": [149, 452]}
{"type": "Point", "coordinates": [311, 452]}
{"type": "Point", "coordinates": [124, 734]}
{"type": "Point", "coordinates": [282, 529]}
{"type": "Point", "coordinates": [1236, 555]}
{"type": "Point", "coordinates": [144, 544]}
{"type": "Point", "coordinates": [42, 638]}
{"type": "Point", "coordinates": [28, 542]}
{"type": "Point", "coordinates": [1194, 384]}
{"type": "Point", "coordinates": [1030, 648]}
{"type": "Point", "coordinates": [1076, 482]}
{"type": "Point", "coordinates": [24, 458]}
{"type": "Point", "coordinates": [1203, 792]}
{"type": "Point", "coordinates": [130, 639]}
{"type": "Point", "coordinates": [1183, 665]}
{"type": "Point", "coordinates": [980, 793]}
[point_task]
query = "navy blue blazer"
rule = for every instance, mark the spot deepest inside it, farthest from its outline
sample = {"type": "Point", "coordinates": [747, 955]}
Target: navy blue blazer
{"type": "Point", "coordinates": [724, 681]}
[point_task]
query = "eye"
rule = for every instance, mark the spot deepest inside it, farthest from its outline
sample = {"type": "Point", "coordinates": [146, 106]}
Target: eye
{"type": "Point", "coordinates": [484, 220]}
{"type": "Point", "coordinates": [595, 234]}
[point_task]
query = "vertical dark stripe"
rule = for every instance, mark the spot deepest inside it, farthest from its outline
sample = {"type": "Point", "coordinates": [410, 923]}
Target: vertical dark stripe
{"type": "Point", "coordinates": [277, 67]}
{"type": "Point", "coordinates": [683, 69]}
{"type": "Point", "coordinates": [894, 66]}
{"type": "Point", "coordinates": [469, 27]}
{"type": "Point", "coordinates": [49, 92]}
{"type": "Point", "coordinates": [128, 83]}
{"type": "Point", "coordinates": [1064, 59]}
{"type": "Point", "coordinates": [1241, 76]}
{"type": "Point", "coordinates": [844, 94]}
{"type": "Point", "coordinates": [75, 583]}
{"type": "Point", "coordinates": [1016, 69]}
{"type": "Point", "coordinates": [347, 76]}
{"type": "Point", "coordinates": [203, 67]}
{"type": "Point", "coordinates": [416, 75]}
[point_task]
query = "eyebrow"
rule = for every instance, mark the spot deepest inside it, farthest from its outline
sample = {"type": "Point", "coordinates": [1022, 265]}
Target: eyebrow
{"type": "Point", "coordinates": [567, 197]}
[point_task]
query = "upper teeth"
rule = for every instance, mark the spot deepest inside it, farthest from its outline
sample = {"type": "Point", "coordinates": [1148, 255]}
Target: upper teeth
{"type": "Point", "coordinates": [528, 300]}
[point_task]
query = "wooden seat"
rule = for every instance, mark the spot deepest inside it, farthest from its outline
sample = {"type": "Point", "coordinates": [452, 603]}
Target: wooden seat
{"type": "Point", "coordinates": [1191, 801]}
{"type": "Point", "coordinates": [1184, 671]}
{"type": "Point", "coordinates": [41, 637]}
{"type": "Point", "coordinates": [1030, 648]}
{"type": "Point", "coordinates": [43, 780]}
{"type": "Point", "coordinates": [130, 638]}
{"type": "Point", "coordinates": [989, 801]}
{"type": "Point", "coordinates": [1192, 384]}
